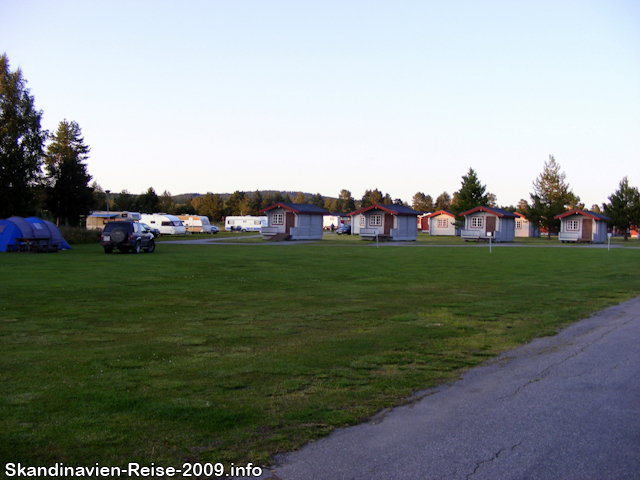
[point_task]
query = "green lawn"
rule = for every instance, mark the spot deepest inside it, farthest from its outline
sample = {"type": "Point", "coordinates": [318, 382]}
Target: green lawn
{"type": "Point", "coordinates": [228, 353]}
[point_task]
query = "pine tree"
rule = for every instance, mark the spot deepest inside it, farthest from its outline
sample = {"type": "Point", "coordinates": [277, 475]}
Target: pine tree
{"type": "Point", "coordinates": [624, 208]}
{"type": "Point", "coordinates": [148, 202]}
{"type": "Point", "coordinates": [21, 144]}
{"type": "Point", "coordinates": [471, 194]}
{"type": "Point", "coordinates": [551, 196]}
{"type": "Point", "coordinates": [125, 202]}
{"type": "Point", "coordinates": [68, 194]}
{"type": "Point", "coordinates": [317, 200]}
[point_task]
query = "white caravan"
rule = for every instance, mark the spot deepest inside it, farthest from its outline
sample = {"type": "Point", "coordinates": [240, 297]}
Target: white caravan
{"type": "Point", "coordinates": [167, 224]}
{"type": "Point", "coordinates": [195, 223]}
{"type": "Point", "coordinates": [247, 223]}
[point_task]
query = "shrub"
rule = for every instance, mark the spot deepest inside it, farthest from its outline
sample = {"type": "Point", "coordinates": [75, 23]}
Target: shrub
{"type": "Point", "coordinates": [79, 235]}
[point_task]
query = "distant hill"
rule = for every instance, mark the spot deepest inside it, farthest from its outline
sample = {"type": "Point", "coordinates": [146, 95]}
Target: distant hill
{"type": "Point", "coordinates": [183, 197]}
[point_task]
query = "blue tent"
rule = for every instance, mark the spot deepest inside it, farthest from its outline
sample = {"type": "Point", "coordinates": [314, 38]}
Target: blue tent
{"type": "Point", "coordinates": [46, 234]}
{"type": "Point", "coordinates": [56, 242]}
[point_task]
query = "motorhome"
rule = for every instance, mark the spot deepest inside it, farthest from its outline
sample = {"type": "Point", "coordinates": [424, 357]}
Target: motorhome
{"type": "Point", "coordinates": [97, 220]}
{"type": "Point", "coordinates": [195, 223]}
{"type": "Point", "coordinates": [246, 223]}
{"type": "Point", "coordinates": [167, 224]}
{"type": "Point", "coordinates": [333, 221]}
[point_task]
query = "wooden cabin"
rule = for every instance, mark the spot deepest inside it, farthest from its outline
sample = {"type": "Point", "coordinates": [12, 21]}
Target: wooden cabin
{"type": "Point", "coordinates": [390, 222]}
{"type": "Point", "coordinates": [442, 222]}
{"type": "Point", "coordinates": [295, 221]}
{"type": "Point", "coordinates": [582, 226]}
{"type": "Point", "coordinates": [482, 223]}
{"type": "Point", "coordinates": [524, 228]}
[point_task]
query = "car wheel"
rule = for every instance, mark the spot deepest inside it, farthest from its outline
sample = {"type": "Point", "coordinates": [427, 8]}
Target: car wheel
{"type": "Point", "coordinates": [118, 235]}
{"type": "Point", "coordinates": [108, 249]}
{"type": "Point", "coordinates": [136, 247]}
{"type": "Point", "coordinates": [151, 247]}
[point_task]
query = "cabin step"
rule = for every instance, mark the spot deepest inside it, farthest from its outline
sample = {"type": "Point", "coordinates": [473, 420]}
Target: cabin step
{"type": "Point", "coordinates": [280, 237]}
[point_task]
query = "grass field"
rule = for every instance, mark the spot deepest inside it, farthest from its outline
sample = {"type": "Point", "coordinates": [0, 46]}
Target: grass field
{"type": "Point", "coordinates": [230, 353]}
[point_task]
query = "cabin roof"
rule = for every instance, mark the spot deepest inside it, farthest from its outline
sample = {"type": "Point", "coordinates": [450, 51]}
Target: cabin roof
{"type": "Point", "coordinates": [497, 211]}
{"type": "Point", "coordinates": [586, 213]}
{"type": "Point", "coordinates": [392, 209]}
{"type": "Point", "coordinates": [440, 212]}
{"type": "Point", "coordinates": [297, 208]}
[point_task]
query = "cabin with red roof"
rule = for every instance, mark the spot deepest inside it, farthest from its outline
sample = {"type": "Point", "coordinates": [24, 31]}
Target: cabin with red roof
{"type": "Point", "coordinates": [524, 228]}
{"type": "Point", "coordinates": [482, 223]}
{"type": "Point", "coordinates": [390, 222]}
{"type": "Point", "coordinates": [582, 226]}
{"type": "Point", "coordinates": [295, 221]}
{"type": "Point", "coordinates": [442, 222]}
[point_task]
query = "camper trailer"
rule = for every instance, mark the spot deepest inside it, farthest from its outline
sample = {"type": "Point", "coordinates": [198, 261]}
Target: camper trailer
{"type": "Point", "coordinates": [195, 223]}
{"type": "Point", "coordinates": [167, 224]}
{"type": "Point", "coordinates": [247, 223]}
{"type": "Point", "coordinates": [97, 220]}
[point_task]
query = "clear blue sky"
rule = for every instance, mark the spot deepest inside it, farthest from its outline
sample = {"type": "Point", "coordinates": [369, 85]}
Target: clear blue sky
{"type": "Point", "coordinates": [319, 96]}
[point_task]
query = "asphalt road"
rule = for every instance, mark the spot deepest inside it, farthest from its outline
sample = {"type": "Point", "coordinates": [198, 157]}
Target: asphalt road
{"type": "Point", "coordinates": [563, 407]}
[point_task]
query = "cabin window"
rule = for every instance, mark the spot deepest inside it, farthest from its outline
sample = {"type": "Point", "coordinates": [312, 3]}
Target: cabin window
{"type": "Point", "coordinates": [277, 219]}
{"type": "Point", "coordinates": [166, 224]}
{"type": "Point", "coordinates": [573, 225]}
{"type": "Point", "coordinates": [476, 222]}
{"type": "Point", "coordinates": [363, 221]}
{"type": "Point", "coordinates": [519, 224]}
{"type": "Point", "coordinates": [375, 221]}
{"type": "Point", "coordinates": [442, 223]}
{"type": "Point", "coordinates": [257, 222]}
{"type": "Point", "coordinates": [231, 222]}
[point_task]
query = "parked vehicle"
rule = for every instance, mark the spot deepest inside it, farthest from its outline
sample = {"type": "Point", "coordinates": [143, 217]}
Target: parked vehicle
{"type": "Point", "coordinates": [346, 229]}
{"type": "Point", "coordinates": [167, 224]}
{"type": "Point", "coordinates": [127, 236]}
{"type": "Point", "coordinates": [155, 231]}
{"type": "Point", "coordinates": [214, 229]}
{"type": "Point", "coordinates": [97, 220]}
{"type": "Point", "coordinates": [246, 223]}
{"type": "Point", "coordinates": [195, 223]}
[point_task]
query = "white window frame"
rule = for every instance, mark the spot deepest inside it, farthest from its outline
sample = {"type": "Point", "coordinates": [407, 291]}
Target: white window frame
{"type": "Point", "coordinates": [477, 222]}
{"type": "Point", "coordinates": [443, 223]}
{"type": "Point", "coordinates": [375, 220]}
{"type": "Point", "coordinates": [518, 224]}
{"type": "Point", "coordinates": [573, 225]}
{"type": "Point", "coordinates": [277, 219]}
{"type": "Point", "coordinates": [363, 221]}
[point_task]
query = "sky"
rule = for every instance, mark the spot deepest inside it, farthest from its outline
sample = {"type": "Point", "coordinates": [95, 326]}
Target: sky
{"type": "Point", "coordinates": [318, 96]}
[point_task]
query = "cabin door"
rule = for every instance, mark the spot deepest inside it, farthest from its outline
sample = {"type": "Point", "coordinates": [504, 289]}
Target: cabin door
{"type": "Point", "coordinates": [424, 224]}
{"type": "Point", "coordinates": [388, 223]}
{"type": "Point", "coordinates": [289, 222]}
{"type": "Point", "coordinates": [586, 229]}
{"type": "Point", "coordinates": [491, 225]}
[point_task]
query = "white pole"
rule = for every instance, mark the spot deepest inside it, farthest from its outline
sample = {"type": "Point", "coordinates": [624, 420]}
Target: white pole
{"type": "Point", "coordinates": [376, 239]}
{"type": "Point", "coordinates": [489, 244]}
